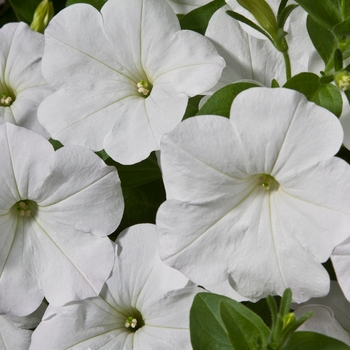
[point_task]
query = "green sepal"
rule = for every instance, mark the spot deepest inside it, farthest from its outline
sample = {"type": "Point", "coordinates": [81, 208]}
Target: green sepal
{"type": "Point", "coordinates": [247, 21]}
{"type": "Point", "coordinates": [220, 102]}
{"type": "Point", "coordinates": [338, 60]}
{"type": "Point", "coordinates": [55, 144]}
{"type": "Point", "coordinates": [313, 341]}
{"type": "Point", "coordinates": [281, 7]}
{"type": "Point", "coordinates": [326, 79]}
{"type": "Point", "coordinates": [95, 3]}
{"type": "Point", "coordinates": [263, 13]}
{"type": "Point", "coordinates": [198, 19]}
{"type": "Point", "coordinates": [327, 96]}
{"type": "Point", "coordinates": [208, 330]}
{"type": "Point", "coordinates": [281, 19]}
{"type": "Point", "coordinates": [102, 154]}
{"type": "Point", "coordinates": [322, 38]}
{"type": "Point", "coordinates": [42, 16]}
{"type": "Point", "coordinates": [274, 83]}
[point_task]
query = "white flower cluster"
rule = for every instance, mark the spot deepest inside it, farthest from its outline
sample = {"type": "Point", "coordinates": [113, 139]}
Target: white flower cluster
{"type": "Point", "coordinates": [255, 203]}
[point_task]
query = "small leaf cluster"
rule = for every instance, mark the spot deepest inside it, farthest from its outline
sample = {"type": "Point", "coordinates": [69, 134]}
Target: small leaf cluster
{"type": "Point", "coordinates": [218, 322]}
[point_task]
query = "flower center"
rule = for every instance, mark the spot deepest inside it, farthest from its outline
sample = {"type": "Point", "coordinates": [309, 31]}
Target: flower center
{"type": "Point", "coordinates": [23, 208]}
{"type": "Point", "coordinates": [130, 322]}
{"type": "Point", "coordinates": [134, 321]}
{"type": "Point", "coordinates": [143, 87]}
{"type": "Point", "coordinates": [266, 181]}
{"type": "Point", "coordinates": [5, 100]}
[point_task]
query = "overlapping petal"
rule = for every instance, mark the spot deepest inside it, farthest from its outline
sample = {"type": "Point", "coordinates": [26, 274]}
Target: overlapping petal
{"type": "Point", "coordinates": [220, 224]}
{"type": "Point", "coordinates": [140, 281]}
{"type": "Point", "coordinates": [127, 43]}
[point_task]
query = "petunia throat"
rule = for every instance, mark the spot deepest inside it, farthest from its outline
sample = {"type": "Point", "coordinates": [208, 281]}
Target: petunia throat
{"type": "Point", "coordinates": [6, 99]}
{"type": "Point", "coordinates": [144, 88]}
{"type": "Point", "coordinates": [134, 321]}
{"type": "Point", "coordinates": [23, 208]}
{"type": "Point", "coordinates": [266, 181]}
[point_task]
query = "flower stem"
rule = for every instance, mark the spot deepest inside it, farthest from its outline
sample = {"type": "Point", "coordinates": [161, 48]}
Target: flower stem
{"type": "Point", "coordinates": [287, 64]}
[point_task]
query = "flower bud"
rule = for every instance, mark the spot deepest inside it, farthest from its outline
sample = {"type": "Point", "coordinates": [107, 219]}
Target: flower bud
{"type": "Point", "coordinates": [42, 16]}
{"type": "Point", "coordinates": [342, 79]}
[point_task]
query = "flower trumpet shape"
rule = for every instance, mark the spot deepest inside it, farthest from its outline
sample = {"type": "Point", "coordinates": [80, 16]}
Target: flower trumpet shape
{"type": "Point", "coordinates": [56, 210]}
{"type": "Point", "coordinates": [257, 199]}
{"type": "Point", "coordinates": [124, 75]}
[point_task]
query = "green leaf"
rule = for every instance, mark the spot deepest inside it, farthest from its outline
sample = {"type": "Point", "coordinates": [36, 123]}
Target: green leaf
{"type": "Point", "coordinates": [313, 341]}
{"type": "Point", "coordinates": [24, 10]}
{"type": "Point", "coordinates": [342, 28]}
{"type": "Point", "coordinates": [322, 38]}
{"type": "Point", "coordinates": [7, 14]}
{"type": "Point", "coordinates": [327, 96]}
{"type": "Point", "coordinates": [197, 20]}
{"type": "Point", "coordinates": [207, 328]}
{"type": "Point", "coordinates": [220, 102]}
{"type": "Point", "coordinates": [138, 174]}
{"type": "Point", "coordinates": [328, 12]}
{"type": "Point", "coordinates": [95, 3]}
{"type": "Point", "coordinates": [243, 327]}
{"type": "Point", "coordinates": [192, 106]}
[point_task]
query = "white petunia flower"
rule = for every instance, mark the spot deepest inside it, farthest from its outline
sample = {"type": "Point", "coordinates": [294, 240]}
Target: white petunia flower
{"type": "Point", "coordinates": [257, 199]}
{"type": "Point", "coordinates": [124, 75]}
{"type": "Point", "coordinates": [22, 86]}
{"type": "Point", "coordinates": [56, 209]}
{"type": "Point", "coordinates": [185, 6]}
{"type": "Point", "coordinates": [144, 305]}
